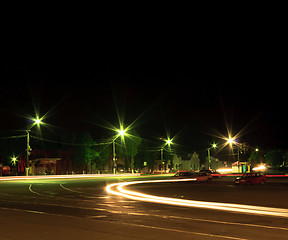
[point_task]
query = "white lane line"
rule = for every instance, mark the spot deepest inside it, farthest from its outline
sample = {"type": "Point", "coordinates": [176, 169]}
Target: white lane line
{"type": "Point", "coordinates": [82, 194]}
{"type": "Point", "coordinates": [129, 224]}
{"type": "Point", "coordinates": [241, 208]}
{"type": "Point", "coordinates": [208, 220]}
{"type": "Point", "coordinates": [183, 231]}
{"type": "Point", "coordinates": [64, 198]}
{"type": "Point", "coordinates": [32, 211]}
{"type": "Point", "coordinates": [32, 191]}
{"type": "Point", "coordinates": [68, 189]}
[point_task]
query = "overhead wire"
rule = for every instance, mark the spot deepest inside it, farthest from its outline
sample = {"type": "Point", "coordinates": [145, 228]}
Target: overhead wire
{"type": "Point", "coordinates": [11, 137]}
{"type": "Point", "coordinates": [71, 144]}
{"type": "Point", "coordinates": [108, 142]}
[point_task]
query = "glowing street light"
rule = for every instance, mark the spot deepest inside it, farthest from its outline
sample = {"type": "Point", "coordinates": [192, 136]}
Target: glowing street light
{"type": "Point", "coordinates": [13, 160]}
{"type": "Point", "coordinates": [36, 121]}
{"type": "Point", "coordinates": [121, 132]}
{"type": "Point", "coordinates": [230, 141]}
{"type": "Point", "coordinates": [214, 145]}
{"type": "Point", "coordinates": [14, 163]}
{"type": "Point", "coordinates": [169, 141]}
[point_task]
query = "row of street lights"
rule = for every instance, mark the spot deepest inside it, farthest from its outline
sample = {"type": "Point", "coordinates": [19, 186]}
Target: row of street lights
{"type": "Point", "coordinates": [120, 133]}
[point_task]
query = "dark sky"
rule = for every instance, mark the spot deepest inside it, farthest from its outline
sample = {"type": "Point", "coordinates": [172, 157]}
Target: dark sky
{"type": "Point", "coordinates": [192, 103]}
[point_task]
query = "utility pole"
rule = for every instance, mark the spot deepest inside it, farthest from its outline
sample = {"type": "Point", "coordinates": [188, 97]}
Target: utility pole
{"type": "Point", "coordinates": [37, 121]}
{"type": "Point", "coordinates": [162, 160]}
{"type": "Point", "coordinates": [209, 159]}
{"type": "Point", "coordinates": [27, 152]}
{"type": "Point", "coordinates": [214, 145]}
{"type": "Point", "coordinates": [114, 158]}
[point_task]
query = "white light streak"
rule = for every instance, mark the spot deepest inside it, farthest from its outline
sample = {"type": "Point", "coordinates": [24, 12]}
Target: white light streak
{"type": "Point", "coordinates": [259, 168]}
{"type": "Point", "coordinates": [19, 178]}
{"type": "Point", "coordinates": [224, 170]}
{"type": "Point", "coordinates": [240, 208]}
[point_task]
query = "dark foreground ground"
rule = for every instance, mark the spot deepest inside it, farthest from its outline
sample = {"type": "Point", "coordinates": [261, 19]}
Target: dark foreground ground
{"type": "Point", "coordinates": [81, 209]}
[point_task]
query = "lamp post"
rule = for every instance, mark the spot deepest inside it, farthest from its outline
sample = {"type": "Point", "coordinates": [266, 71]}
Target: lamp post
{"type": "Point", "coordinates": [232, 141]}
{"type": "Point", "coordinates": [121, 132]}
{"type": "Point", "coordinates": [214, 145]}
{"type": "Point", "coordinates": [37, 121]}
{"type": "Point", "coordinates": [14, 162]}
{"type": "Point", "coordinates": [168, 142]}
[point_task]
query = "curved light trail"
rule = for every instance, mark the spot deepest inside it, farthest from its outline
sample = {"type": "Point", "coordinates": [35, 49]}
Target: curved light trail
{"type": "Point", "coordinates": [240, 208]}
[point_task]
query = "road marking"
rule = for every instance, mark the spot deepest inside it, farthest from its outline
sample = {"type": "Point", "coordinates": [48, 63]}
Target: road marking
{"type": "Point", "coordinates": [205, 220]}
{"type": "Point", "coordinates": [82, 193]}
{"type": "Point", "coordinates": [32, 211]}
{"type": "Point", "coordinates": [155, 215]}
{"type": "Point", "coordinates": [40, 194]}
{"type": "Point", "coordinates": [68, 189]}
{"type": "Point", "coordinates": [239, 208]}
{"type": "Point", "coordinates": [130, 224]}
{"type": "Point", "coordinates": [183, 231]}
{"type": "Point", "coordinates": [230, 223]}
{"type": "Point", "coordinates": [65, 198]}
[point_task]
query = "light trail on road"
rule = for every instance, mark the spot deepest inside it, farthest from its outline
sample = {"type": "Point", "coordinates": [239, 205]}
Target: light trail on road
{"type": "Point", "coordinates": [76, 176]}
{"type": "Point", "coordinates": [239, 208]}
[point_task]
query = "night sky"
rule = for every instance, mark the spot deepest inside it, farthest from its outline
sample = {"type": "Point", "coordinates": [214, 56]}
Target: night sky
{"type": "Point", "coordinates": [193, 103]}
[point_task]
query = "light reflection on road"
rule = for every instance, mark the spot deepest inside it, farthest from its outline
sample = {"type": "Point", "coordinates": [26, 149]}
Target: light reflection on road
{"type": "Point", "coordinates": [118, 189]}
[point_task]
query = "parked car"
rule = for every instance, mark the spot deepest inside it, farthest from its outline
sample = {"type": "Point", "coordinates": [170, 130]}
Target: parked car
{"type": "Point", "coordinates": [251, 179]}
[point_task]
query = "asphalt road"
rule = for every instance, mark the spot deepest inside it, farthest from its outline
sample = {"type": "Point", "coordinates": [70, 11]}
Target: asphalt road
{"type": "Point", "coordinates": [82, 209]}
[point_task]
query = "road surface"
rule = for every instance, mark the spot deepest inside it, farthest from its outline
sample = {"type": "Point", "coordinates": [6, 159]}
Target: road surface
{"type": "Point", "coordinates": [82, 209]}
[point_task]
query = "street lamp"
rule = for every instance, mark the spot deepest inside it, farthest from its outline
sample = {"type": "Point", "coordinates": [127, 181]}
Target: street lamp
{"type": "Point", "coordinates": [14, 163]}
{"type": "Point", "coordinates": [121, 132]}
{"type": "Point", "coordinates": [214, 145]}
{"type": "Point", "coordinates": [232, 141]}
{"type": "Point", "coordinates": [168, 142]}
{"type": "Point", "coordinates": [14, 160]}
{"type": "Point", "coordinates": [36, 121]}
